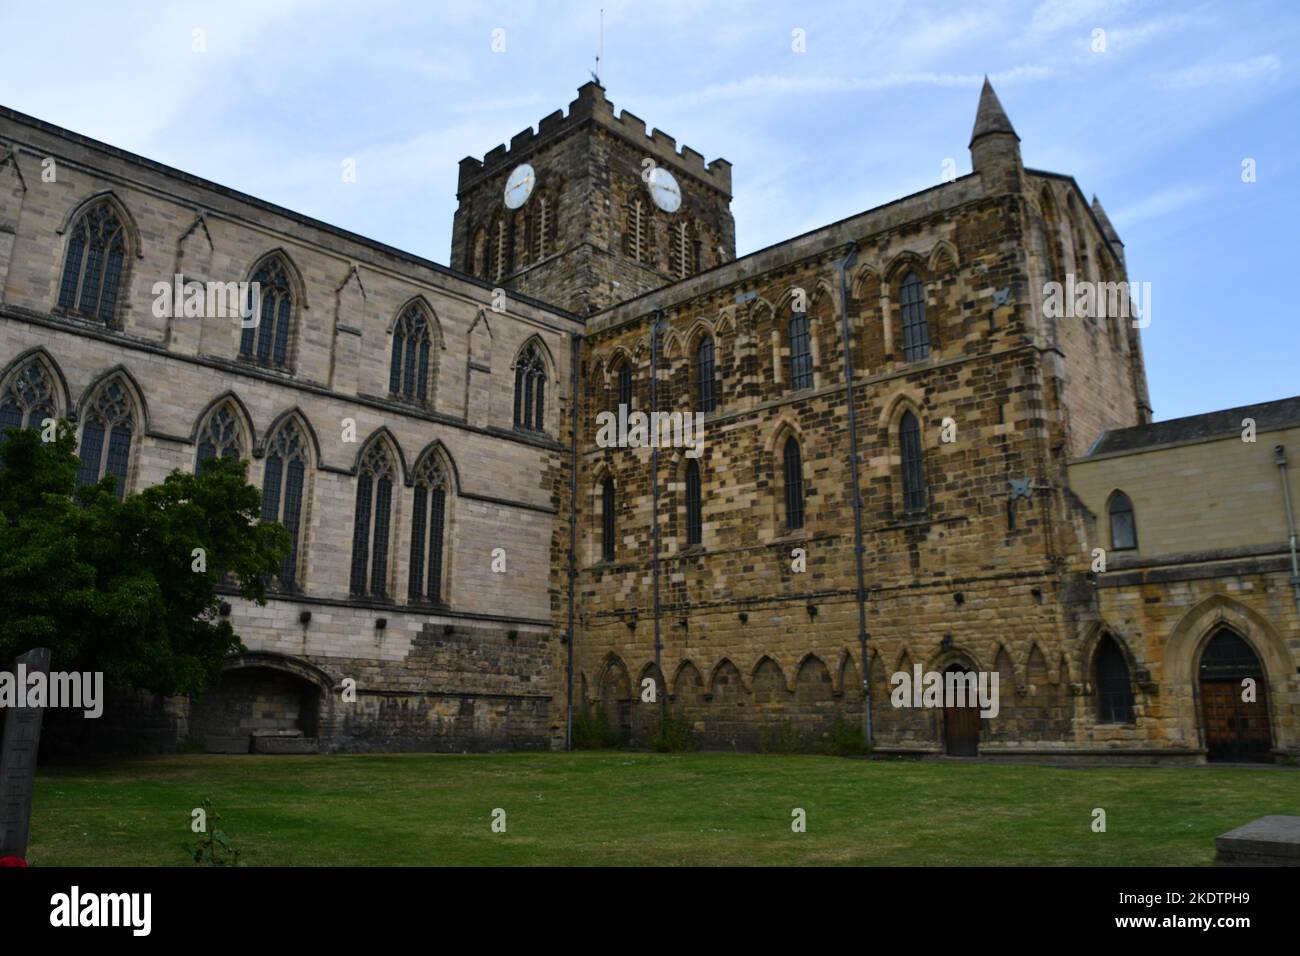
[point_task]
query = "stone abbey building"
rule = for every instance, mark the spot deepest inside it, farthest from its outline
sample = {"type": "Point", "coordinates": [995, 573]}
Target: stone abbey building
{"type": "Point", "coordinates": [485, 566]}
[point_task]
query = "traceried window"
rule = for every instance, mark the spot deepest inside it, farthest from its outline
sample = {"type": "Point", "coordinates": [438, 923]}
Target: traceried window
{"type": "Point", "coordinates": [608, 503]}
{"type": "Point", "coordinates": [373, 518]}
{"type": "Point", "coordinates": [694, 504]}
{"type": "Point", "coordinates": [221, 435]}
{"type": "Point", "coordinates": [28, 399]}
{"type": "Point", "coordinates": [1114, 689]}
{"type": "Point", "coordinates": [428, 533]}
{"type": "Point", "coordinates": [1123, 527]}
{"type": "Point", "coordinates": [705, 383]}
{"type": "Point", "coordinates": [410, 370]}
{"type": "Point", "coordinates": [283, 487]}
{"type": "Point", "coordinates": [913, 464]}
{"type": "Point", "coordinates": [530, 390]}
{"type": "Point", "coordinates": [106, 431]}
{"type": "Point", "coordinates": [267, 342]}
{"type": "Point", "coordinates": [801, 369]}
{"type": "Point", "coordinates": [793, 474]}
{"type": "Point", "coordinates": [916, 331]}
{"type": "Point", "coordinates": [92, 271]}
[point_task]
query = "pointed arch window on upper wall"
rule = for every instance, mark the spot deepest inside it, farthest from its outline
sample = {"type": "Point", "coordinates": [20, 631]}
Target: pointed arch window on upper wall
{"type": "Point", "coordinates": [283, 489]}
{"type": "Point", "coordinates": [793, 475]}
{"type": "Point", "coordinates": [623, 384]}
{"type": "Point", "coordinates": [916, 330]}
{"type": "Point", "coordinates": [705, 375]}
{"type": "Point", "coordinates": [28, 399]}
{"type": "Point", "coordinates": [694, 503]}
{"type": "Point", "coordinates": [913, 464]}
{"type": "Point", "coordinates": [1123, 525]}
{"type": "Point", "coordinates": [411, 368]}
{"type": "Point", "coordinates": [608, 503]}
{"type": "Point", "coordinates": [428, 533]}
{"type": "Point", "coordinates": [106, 432]}
{"type": "Point", "coordinates": [370, 534]}
{"type": "Point", "coordinates": [267, 342]}
{"type": "Point", "coordinates": [801, 367]}
{"type": "Point", "coordinates": [530, 390]}
{"type": "Point", "coordinates": [93, 268]}
{"type": "Point", "coordinates": [220, 435]}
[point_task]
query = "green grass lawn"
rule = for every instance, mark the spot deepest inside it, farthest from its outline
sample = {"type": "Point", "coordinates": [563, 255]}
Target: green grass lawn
{"type": "Point", "coordinates": [633, 809]}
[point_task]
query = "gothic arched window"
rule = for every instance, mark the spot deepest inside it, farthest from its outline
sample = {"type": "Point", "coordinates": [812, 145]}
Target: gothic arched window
{"type": "Point", "coordinates": [1114, 690]}
{"type": "Point", "coordinates": [267, 342]}
{"type": "Point", "coordinates": [916, 331]}
{"type": "Point", "coordinates": [793, 474]}
{"type": "Point", "coordinates": [92, 271]}
{"type": "Point", "coordinates": [608, 503]}
{"type": "Point", "coordinates": [1123, 526]}
{"type": "Point", "coordinates": [530, 390]}
{"type": "Point", "coordinates": [373, 518]}
{"type": "Point", "coordinates": [221, 435]}
{"type": "Point", "coordinates": [411, 367]}
{"type": "Point", "coordinates": [913, 464]}
{"type": "Point", "coordinates": [705, 383]}
{"type": "Point", "coordinates": [428, 533]}
{"type": "Point", "coordinates": [106, 431]}
{"type": "Point", "coordinates": [28, 400]}
{"type": "Point", "coordinates": [283, 487]}
{"type": "Point", "coordinates": [694, 504]}
{"type": "Point", "coordinates": [801, 370]}
{"type": "Point", "coordinates": [623, 384]}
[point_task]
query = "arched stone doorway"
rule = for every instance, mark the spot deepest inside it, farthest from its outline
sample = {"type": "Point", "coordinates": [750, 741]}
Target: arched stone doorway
{"type": "Point", "coordinates": [616, 699]}
{"type": "Point", "coordinates": [264, 702]}
{"type": "Point", "coordinates": [1234, 700]}
{"type": "Point", "coordinates": [961, 718]}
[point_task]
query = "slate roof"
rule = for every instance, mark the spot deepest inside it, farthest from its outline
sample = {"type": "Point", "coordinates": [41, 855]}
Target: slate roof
{"type": "Point", "coordinates": [1220, 424]}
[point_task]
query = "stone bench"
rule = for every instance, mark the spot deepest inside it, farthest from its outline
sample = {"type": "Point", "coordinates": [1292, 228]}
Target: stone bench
{"type": "Point", "coordinates": [1268, 841]}
{"type": "Point", "coordinates": [277, 743]}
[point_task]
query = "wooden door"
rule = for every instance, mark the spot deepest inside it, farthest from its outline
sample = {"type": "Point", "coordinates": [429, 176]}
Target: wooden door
{"type": "Point", "coordinates": [1235, 729]}
{"type": "Point", "coordinates": [961, 728]}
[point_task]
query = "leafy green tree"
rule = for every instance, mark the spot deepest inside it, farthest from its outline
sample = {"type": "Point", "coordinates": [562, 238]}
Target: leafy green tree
{"type": "Point", "coordinates": [127, 587]}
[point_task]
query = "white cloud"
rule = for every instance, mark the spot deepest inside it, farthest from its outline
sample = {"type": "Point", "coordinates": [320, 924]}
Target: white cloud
{"type": "Point", "coordinates": [1265, 68]}
{"type": "Point", "coordinates": [1159, 204]}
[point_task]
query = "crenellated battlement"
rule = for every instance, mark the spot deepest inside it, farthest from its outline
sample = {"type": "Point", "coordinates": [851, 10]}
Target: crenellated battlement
{"type": "Point", "coordinates": [591, 106]}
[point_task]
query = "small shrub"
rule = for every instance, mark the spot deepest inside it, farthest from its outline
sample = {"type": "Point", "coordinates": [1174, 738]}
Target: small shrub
{"type": "Point", "coordinates": [193, 745]}
{"type": "Point", "coordinates": [675, 736]}
{"type": "Point", "coordinates": [214, 847]}
{"type": "Point", "coordinates": [845, 739]}
{"type": "Point", "coordinates": [591, 731]}
{"type": "Point", "coordinates": [783, 739]}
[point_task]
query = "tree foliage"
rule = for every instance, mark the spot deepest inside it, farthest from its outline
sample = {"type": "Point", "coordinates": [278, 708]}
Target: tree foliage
{"type": "Point", "coordinates": [116, 586]}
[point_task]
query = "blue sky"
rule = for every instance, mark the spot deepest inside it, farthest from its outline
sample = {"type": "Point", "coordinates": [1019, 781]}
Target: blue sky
{"type": "Point", "coordinates": [1157, 125]}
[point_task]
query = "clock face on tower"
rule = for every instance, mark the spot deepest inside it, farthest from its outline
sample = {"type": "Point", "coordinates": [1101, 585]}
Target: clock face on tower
{"type": "Point", "coordinates": [520, 186]}
{"type": "Point", "coordinates": [664, 189]}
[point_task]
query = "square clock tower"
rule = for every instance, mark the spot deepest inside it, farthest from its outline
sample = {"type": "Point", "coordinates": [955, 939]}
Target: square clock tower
{"type": "Point", "coordinates": [590, 210]}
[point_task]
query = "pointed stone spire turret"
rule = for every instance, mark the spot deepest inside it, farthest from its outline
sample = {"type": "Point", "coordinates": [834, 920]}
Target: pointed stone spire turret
{"type": "Point", "coordinates": [990, 117]}
{"type": "Point", "coordinates": [994, 145]}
